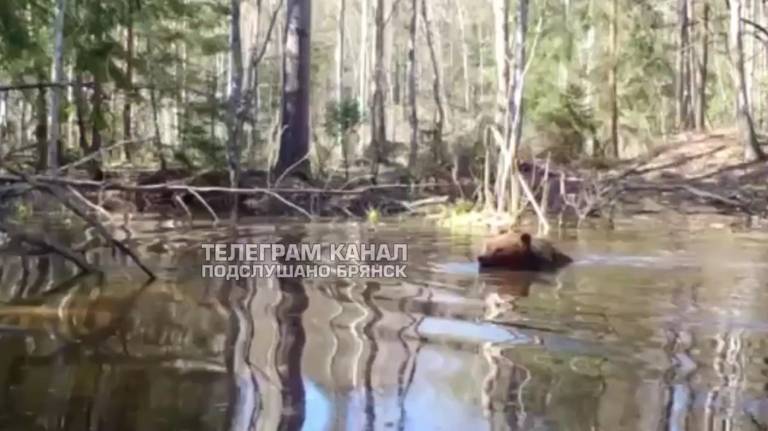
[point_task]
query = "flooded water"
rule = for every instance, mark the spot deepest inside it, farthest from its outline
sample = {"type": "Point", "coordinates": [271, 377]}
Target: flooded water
{"type": "Point", "coordinates": [651, 328]}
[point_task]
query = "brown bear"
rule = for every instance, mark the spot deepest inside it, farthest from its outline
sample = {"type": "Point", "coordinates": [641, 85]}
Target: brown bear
{"type": "Point", "coordinates": [521, 253]}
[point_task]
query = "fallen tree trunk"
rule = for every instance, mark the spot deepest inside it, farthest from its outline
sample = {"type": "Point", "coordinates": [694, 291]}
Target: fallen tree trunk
{"type": "Point", "coordinates": [175, 187]}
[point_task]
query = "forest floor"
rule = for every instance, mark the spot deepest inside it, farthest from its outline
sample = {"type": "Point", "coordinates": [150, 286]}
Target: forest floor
{"type": "Point", "coordinates": [695, 174]}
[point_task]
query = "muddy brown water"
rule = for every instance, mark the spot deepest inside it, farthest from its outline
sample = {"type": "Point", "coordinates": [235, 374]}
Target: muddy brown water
{"type": "Point", "coordinates": [651, 328]}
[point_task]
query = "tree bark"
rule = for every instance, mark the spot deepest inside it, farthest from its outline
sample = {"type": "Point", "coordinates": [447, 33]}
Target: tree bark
{"type": "Point", "coordinates": [41, 129]}
{"type": "Point", "coordinates": [437, 88]}
{"type": "Point", "coordinates": [501, 42]}
{"type": "Point", "coordinates": [363, 67]}
{"type": "Point", "coordinates": [3, 119]}
{"type": "Point", "coordinates": [56, 77]}
{"type": "Point", "coordinates": [684, 77]}
{"type": "Point", "coordinates": [413, 116]}
{"type": "Point", "coordinates": [515, 104]}
{"type": "Point", "coordinates": [481, 68]}
{"type": "Point", "coordinates": [340, 51]}
{"type": "Point", "coordinates": [378, 113]}
{"type": "Point", "coordinates": [464, 54]}
{"type": "Point", "coordinates": [591, 145]}
{"type": "Point", "coordinates": [158, 141]}
{"type": "Point", "coordinates": [702, 99]}
{"type": "Point", "coordinates": [294, 144]}
{"type": "Point", "coordinates": [81, 113]}
{"type": "Point", "coordinates": [129, 81]}
{"type": "Point", "coordinates": [752, 149]}
{"type": "Point", "coordinates": [235, 100]}
{"type": "Point", "coordinates": [97, 124]}
{"type": "Point", "coordinates": [506, 174]}
{"type": "Point", "coordinates": [612, 79]}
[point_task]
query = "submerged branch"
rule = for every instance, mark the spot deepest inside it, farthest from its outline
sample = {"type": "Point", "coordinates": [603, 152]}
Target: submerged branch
{"type": "Point", "coordinates": [48, 246]}
{"type": "Point", "coordinates": [60, 195]}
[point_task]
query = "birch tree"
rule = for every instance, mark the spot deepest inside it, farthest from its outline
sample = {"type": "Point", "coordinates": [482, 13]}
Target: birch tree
{"type": "Point", "coordinates": [513, 112]}
{"type": "Point", "coordinates": [752, 150]}
{"type": "Point", "coordinates": [501, 41]}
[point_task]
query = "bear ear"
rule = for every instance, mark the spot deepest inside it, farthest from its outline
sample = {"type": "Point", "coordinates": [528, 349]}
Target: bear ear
{"type": "Point", "coordinates": [526, 239]}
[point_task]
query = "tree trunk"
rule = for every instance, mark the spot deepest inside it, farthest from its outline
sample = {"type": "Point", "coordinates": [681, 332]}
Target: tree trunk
{"type": "Point", "coordinates": [513, 113]}
{"type": "Point", "coordinates": [464, 54]}
{"type": "Point", "coordinates": [23, 121]}
{"type": "Point", "coordinates": [702, 99]}
{"type": "Point", "coordinates": [437, 88]}
{"type": "Point", "coordinates": [158, 141]}
{"type": "Point", "coordinates": [378, 114]}
{"type": "Point", "coordinates": [413, 117]}
{"type": "Point", "coordinates": [41, 129]}
{"type": "Point", "coordinates": [612, 78]}
{"type": "Point", "coordinates": [3, 120]}
{"type": "Point", "coordinates": [340, 51]}
{"type": "Point", "coordinates": [129, 81]}
{"type": "Point", "coordinates": [565, 60]}
{"type": "Point", "coordinates": [684, 88]}
{"type": "Point", "coordinates": [97, 123]}
{"type": "Point", "coordinates": [481, 68]}
{"type": "Point", "coordinates": [363, 67]}
{"type": "Point", "coordinates": [515, 104]}
{"type": "Point", "coordinates": [235, 101]}
{"type": "Point", "coordinates": [591, 145]}
{"type": "Point", "coordinates": [341, 139]}
{"type": "Point", "coordinates": [752, 149]}
{"type": "Point", "coordinates": [56, 77]}
{"type": "Point", "coordinates": [501, 42]}
{"type": "Point", "coordinates": [294, 144]}
{"type": "Point", "coordinates": [81, 113]}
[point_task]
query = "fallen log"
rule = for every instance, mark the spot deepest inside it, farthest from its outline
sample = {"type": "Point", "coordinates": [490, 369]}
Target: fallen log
{"type": "Point", "coordinates": [41, 85]}
{"type": "Point", "coordinates": [176, 187]}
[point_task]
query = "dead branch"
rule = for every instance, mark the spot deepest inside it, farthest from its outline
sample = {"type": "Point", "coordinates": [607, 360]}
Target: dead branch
{"type": "Point", "coordinates": [435, 200]}
{"type": "Point", "coordinates": [97, 153]}
{"type": "Point", "coordinates": [48, 245]}
{"type": "Point", "coordinates": [41, 85]}
{"type": "Point", "coordinates": [60, 196]}
{"type": "Point", "coordinates": [179, 201]}
{"type": "Point", "coordinates": [98, 208]}
{"type": "Point", "coordinates": [208, 208]}
{"type": "Point", "coordinates": [532, 199]}
{"type": "Point", "coordinates": [174, 187]}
